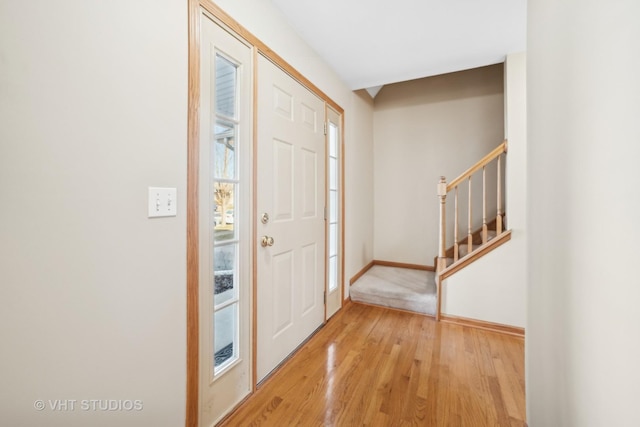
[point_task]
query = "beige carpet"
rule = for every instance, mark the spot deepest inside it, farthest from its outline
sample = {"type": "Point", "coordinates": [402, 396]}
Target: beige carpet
{"type": "Point", "coordinates": [403, 288]}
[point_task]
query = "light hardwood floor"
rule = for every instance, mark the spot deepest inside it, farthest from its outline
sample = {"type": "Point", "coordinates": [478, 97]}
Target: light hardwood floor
{"type": "Point", "coordinates": [380, 367]}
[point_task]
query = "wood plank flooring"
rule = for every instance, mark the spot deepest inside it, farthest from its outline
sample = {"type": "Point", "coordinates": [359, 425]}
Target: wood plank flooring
{"type": "Point", "coordinates": [379, 367]}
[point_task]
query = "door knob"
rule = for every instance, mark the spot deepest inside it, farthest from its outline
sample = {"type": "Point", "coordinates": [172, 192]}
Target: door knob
{"type": "Point", "coordinates": [267, 241]}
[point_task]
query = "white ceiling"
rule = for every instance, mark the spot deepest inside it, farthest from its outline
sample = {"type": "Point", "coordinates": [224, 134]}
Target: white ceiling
{"type": "Point", "coordinates": [373, 42]}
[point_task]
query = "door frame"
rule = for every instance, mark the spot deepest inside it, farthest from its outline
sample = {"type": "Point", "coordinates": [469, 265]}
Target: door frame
{"type": "Point", "coordinates": [195, 9]}
{"type": "Point", "coordinates": [341, 212]}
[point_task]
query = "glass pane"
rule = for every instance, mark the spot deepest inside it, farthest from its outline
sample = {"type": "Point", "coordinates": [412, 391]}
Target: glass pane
{"type": "Point", "coordinates": [223, 152]}
{"type": "Point", "coordinates": [224, 216]}
{"type": "Point", "coordinates": [224, 266]}
{"type": "Point", "coordinates": [333, 273]}
{"type": "Point", "coordinates": [225, 325]}
{"type": "Point", "coordinates": [333, 239]}
{"type": "Point", "coordinates": [333, 206]}
{"type": "Point", "coordinates": [333, 173]}
{"type": "Point", "coordinates": [333, 140]}
{"type": "Point", "coordinates": [225, 87]}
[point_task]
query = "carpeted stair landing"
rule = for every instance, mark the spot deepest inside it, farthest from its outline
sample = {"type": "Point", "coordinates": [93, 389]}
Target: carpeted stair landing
{"type": "Point", "coordinates": [403, 288]}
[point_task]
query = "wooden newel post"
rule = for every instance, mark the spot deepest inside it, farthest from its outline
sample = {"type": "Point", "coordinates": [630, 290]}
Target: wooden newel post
{"type": "Point", "coordinates": [442, 194]}
{"type": "Point", "coordinates": [442, 261]}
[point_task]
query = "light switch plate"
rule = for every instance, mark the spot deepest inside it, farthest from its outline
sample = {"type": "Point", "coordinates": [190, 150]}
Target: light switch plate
{"type": "Point", "coordinates": [162, 202]}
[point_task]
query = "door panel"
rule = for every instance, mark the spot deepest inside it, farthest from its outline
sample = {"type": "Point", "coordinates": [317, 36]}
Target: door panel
{"type": "Point", "coordinates": [291, 190]}
{"type": "Point", "coordinates": [282, 273]}
{"type": "Point", "coordinates": [282, 103]}
{"type": "Point", "coordinates": [283, 180]}
{"type": "Point", "coordinates": [224, 222]}
{"type": "Point", "coordinates": [310, 184]}
{"type": "Point", "coordinates": [309, 117]}
{"type": "Point", "coordinates": [310, 273]}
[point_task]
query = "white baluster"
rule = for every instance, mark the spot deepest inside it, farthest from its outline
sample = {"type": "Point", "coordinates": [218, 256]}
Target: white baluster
{"type": "Point", "coordinates": [456, 253]}
{"type": "Point", "coordinates": [484, 205]}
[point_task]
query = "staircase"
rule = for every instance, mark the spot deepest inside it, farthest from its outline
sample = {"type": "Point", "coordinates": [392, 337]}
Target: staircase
{"type": "Point", "coordinates": [481, 240]}
{"type": "Point", "coordinates": [421, 291]}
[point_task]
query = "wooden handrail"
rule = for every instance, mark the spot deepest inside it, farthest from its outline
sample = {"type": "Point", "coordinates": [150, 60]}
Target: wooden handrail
{"type": "Point", "coordinates": [502, 148]}
{"type": "Point", "coordinates": [485, 249]}
{"type": "Point", "coordinates": [442, 269]}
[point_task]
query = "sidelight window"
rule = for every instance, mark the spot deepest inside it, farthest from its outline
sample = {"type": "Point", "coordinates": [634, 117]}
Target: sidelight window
{"type": "Point", "coordinates": [225, 185]}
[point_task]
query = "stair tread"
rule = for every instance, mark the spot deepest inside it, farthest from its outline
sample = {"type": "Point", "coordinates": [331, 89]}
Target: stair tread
{"type": "Point", "coordinates": [405, 289]}
{"type": "Point", "coordinates": [463, 250]}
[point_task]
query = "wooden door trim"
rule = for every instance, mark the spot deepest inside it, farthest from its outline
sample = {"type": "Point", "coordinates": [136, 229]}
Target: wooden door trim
{"type": "Point", "coordinates": [235, 26]}
{"type": "Point", "coordinates": [342, 187]}
{"type": "Point", "coordinates": [193, 146]}
{"type": "Point", "coordinates": [195, 8]}
{"type": "Point", "coordinates": [325, 275]}
{"type": "Point", "coordinates": [254, 229]}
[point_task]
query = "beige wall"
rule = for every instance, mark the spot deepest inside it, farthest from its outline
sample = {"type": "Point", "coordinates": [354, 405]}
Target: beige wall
{"type": "Point", "coordinates": [93, 111]}
{"type": "Point", "coordinates": [582, 346]}
{"type": "Point", "coordinates": [359, 185]}
{"type": "Point", "coordinates": [494, 287]}
{"type": "Point", "coordinates": [424, 129]}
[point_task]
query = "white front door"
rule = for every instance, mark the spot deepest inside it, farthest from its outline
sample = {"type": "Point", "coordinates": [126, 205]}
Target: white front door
{"type": "Point", "coordinates": [224, 221]}
{"type": "Point", "coordinates": [290, 207]}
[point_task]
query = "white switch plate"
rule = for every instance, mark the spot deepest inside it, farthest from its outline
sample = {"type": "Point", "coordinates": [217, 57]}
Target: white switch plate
{"type": "Point", "coordinates": [162, 202]}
